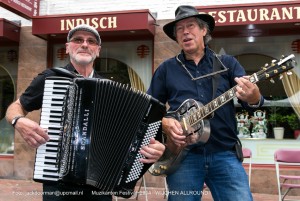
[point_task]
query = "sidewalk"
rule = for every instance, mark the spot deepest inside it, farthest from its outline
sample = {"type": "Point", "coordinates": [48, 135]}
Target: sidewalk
{"type": "Point", "coordinates": [27, 190]}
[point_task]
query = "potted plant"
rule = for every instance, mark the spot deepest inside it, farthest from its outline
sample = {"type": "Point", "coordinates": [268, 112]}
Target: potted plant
{"type": "Point", "coordinates": [277, 120]}
{"type": "Point", "coordinates": [294, 123]}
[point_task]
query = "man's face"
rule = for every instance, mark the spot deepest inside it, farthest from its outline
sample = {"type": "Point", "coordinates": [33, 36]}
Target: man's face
{"type": "Point", "coordinates": [83, 48]}
{"type": "Point", "coordinates": [189, 35]}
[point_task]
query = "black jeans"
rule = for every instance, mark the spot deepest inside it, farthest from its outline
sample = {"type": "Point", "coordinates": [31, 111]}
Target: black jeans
{"type": "Point", "coordinates": [67, 192]}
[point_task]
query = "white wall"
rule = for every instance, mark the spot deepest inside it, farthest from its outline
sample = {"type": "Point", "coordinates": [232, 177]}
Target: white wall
{"type": "Point", "coordinates": [164, 9]}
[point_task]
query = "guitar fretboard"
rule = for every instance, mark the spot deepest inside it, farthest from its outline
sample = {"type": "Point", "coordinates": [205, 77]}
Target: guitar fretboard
{"type": "Point", "coordinates": [267, 72]}
{"type": "Point", "coordinates": [211, 106]}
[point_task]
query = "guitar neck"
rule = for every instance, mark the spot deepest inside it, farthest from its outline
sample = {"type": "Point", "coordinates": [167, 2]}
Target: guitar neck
{"type": "Point", "coordinates": [267, 72]}
{"type": "Point", "coordinates": [212, 106]}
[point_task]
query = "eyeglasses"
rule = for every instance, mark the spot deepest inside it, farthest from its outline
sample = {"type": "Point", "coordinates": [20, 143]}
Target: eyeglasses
{"type": "Point", "coordinates": [80, 41]}
{"type": "Point", "coordinates": [189, 26]}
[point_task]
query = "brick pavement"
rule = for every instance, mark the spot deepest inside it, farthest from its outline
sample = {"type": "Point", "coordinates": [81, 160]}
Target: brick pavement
{"type": "Point", "coordinates": [27, 190]}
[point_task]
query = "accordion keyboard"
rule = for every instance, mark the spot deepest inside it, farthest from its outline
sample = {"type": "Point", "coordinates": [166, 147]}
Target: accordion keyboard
{"type": "Point", "coordinates": [46, 167]}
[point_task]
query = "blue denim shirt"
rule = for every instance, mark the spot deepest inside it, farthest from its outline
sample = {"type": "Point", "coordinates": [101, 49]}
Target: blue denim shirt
{"type": "Point", "coordinates": [173, 85]}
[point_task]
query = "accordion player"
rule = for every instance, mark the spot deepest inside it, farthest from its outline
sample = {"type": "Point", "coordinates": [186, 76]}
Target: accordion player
{"type": "Point", "coordinates": [96, 129]}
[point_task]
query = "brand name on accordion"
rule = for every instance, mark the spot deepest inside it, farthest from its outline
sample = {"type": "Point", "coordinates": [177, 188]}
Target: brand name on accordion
{"type": "Point", "coordinates": [85, 123]}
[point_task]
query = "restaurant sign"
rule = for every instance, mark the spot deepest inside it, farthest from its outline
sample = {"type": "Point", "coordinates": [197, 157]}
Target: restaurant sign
{"type": "Point", "coordinates": [24, 8]}
{"type": "Point", "coordinates": [108, 21]}
{"type": "Point", "coordinates": [253, 14]}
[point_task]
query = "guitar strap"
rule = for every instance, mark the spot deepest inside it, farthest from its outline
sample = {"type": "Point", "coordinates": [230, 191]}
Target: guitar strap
{"type": "Point", "coordinates": [216, 67]}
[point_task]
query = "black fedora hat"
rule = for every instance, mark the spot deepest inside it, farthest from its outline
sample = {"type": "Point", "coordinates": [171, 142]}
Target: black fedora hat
{"type": "Point", "coordinates": [183, 12]}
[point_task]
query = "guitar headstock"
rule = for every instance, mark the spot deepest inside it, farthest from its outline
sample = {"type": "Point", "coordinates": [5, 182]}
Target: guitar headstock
{"type": "Point", "coordinates": [276, 68]}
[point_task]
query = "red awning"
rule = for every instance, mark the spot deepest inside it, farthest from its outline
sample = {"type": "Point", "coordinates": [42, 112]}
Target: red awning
{"type": "Point", "coordinates": [9, 32]}
{"type": "Point", "coordinates": [122, 25]}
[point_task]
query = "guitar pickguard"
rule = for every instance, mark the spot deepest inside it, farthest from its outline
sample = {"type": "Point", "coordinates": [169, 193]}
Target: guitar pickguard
{"type": "Point", "coordinates": [197, 133]}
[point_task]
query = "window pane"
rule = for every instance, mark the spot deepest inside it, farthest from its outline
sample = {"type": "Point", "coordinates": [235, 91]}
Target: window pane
{"type": "Point", "coordinates": [6, 98]}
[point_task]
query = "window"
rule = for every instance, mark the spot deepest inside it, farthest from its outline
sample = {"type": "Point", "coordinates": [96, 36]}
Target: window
{"type": "Point", "coordinates": [7, 94]}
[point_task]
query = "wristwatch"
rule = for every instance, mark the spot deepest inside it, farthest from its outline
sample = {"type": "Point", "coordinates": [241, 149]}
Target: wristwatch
{"type": "Point", "coordinates": [14, 121]}
{"type": "Point", "coordinates": [257, 105]}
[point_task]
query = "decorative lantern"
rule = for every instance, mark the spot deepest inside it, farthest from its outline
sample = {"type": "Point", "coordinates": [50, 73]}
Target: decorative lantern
{"type": "Point", "coordinates": [296, 46]}
{"type": "Point", "coordinates": [142, 51]}
{"type": "Point", "coordinates": [61, 53]}
{"type": "Point", "coordinates": [12, 55]}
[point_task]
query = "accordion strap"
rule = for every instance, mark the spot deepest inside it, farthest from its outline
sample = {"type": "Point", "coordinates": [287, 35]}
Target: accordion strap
{"type": "Point", "coordinates": [65, 72]}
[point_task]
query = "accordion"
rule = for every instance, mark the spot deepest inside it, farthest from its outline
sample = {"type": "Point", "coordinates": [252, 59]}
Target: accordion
{"type": "Point", "coordinates": [96, 129]}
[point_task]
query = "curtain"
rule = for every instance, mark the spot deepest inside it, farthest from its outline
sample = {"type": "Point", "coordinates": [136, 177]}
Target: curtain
{"type": "Point", "coordinates": [135, 80]}
{"type": "Point", "coordinates": [291, 84]}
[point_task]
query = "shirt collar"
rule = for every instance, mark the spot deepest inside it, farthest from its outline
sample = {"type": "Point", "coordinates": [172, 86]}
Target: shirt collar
{"type": "Point", "coordinates": [71, 68]}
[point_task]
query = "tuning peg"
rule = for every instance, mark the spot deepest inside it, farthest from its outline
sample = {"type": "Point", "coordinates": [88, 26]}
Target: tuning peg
{"type": "Point", "coordinates": [272, 81]}
{"type": "Point", "coordinates": [289, 73]}
{"type": "Point", "coordinates": [280, 77]}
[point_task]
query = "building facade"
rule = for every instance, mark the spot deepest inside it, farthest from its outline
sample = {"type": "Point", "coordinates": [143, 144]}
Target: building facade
{"type": "Point", "coordinates": [133, 47]}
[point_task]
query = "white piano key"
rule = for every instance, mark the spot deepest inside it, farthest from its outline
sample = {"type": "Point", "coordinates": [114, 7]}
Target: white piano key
{"type": "Point", "coordinates": [41, 172]}
{"type": "Point", "coordinates": [43, 152]}
{"type": "Point", "coordinates": [47, 148]}
{"type": "Point", "coordinates": [41, 163]}
{"type": "Point", "coordinates": [51, 119]}
{"type": "Point", "coordinates": [42, 177]}
{"type": "Point", "coordinates": [54, 134]}
{"type": "Point", "coordinates": [44, 122]}
{"type": "Point", "coordinates": [55, 91]}
{"type": "Point", "coordinates": [43, 160]}
{"type": "Point", "coordinates": [51, 93]}
{"type": "Point", "coordinates": [52, 111]}
{"type": "Point", "coordinates": [51, 126]}
{"type": "Point", "coordinates": [41, 168]}
{"type": "Point", "coordinates": [56, 84]}
{"type": "Point", "coordinates": [52, 106]}
{"type": "Point", "coordinates": [52, 101]}
{"type": "Point", "coordinates": [55, 137]}
{"type": "Point", "coordinates": [49, 81]}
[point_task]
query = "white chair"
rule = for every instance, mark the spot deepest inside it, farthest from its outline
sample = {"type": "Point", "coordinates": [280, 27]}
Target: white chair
{"type": "Point", "coordinates": [143, 182]}
{"type": "Point", "coordinates": [286, 157]}
{"type": "Point", "coordinates": [247, 153]}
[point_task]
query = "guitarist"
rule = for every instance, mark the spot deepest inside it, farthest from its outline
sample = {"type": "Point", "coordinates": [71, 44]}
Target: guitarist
{"type": "Point", "coordinates": [190, 75]}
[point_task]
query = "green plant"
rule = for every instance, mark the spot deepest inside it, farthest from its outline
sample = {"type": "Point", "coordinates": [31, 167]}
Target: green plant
{"type": "Point", "coordinates": [293, 121]}
{"type": "Point", "coordinates": [276, 119]}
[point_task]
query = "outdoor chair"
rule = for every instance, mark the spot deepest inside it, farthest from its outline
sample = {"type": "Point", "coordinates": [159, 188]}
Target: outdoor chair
{"type": "Point", "coordinates": [286, 182]}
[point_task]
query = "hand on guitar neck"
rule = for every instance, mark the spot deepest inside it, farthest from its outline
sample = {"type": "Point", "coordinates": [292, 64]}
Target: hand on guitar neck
{"type": "Point", "coordinates": [247, 91]}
